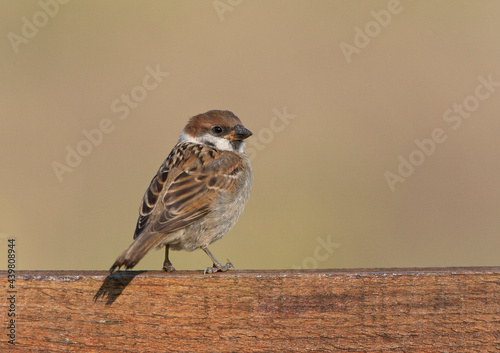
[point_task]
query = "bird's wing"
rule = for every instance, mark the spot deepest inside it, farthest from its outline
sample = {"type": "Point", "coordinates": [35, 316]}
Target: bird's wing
{"type": "Point", "coordinates": [150, 198]}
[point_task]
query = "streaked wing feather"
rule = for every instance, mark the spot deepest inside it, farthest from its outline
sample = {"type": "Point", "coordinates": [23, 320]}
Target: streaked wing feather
{"type": "Point", "coordinates": [150, 198]}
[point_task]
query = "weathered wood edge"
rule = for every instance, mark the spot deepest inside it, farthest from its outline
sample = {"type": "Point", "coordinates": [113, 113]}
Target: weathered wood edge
{"type": "Point", "coordinates": [68, 275]}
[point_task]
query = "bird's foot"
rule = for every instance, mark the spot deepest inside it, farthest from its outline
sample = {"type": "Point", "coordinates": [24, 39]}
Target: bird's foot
{"type": "Point", "coordinates": [167, 267]}
{"type": "Point", "coordinates": [218, 267]}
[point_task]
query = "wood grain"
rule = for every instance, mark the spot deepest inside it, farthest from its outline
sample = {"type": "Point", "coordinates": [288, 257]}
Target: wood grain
{"type": "Point", "coordinates": [367, 310]}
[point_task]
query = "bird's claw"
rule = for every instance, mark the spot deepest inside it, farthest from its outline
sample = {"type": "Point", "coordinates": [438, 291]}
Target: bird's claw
{"type": "Point", "coordinates": [168, 268]}
{"type": "Point", "coordinates": [218, 267]}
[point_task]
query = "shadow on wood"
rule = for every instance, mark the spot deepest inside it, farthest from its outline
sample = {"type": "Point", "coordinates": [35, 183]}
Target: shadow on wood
{"type": "Point", "coordinates": [114, 285]}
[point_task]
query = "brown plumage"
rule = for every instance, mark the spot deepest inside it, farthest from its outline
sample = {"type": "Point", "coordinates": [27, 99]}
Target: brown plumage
{"type": "Point", "coordinates": [197, 194]}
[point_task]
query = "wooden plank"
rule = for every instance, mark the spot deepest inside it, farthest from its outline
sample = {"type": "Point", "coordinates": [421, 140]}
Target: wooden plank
{"type": "Point", "coordinates": [394, 310]}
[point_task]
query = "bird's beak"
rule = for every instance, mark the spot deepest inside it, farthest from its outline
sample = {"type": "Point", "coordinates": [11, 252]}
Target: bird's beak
{"type": "Point", "coordinates": [238, 133]}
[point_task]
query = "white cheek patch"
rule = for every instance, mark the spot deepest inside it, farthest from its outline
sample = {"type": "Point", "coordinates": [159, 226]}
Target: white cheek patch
{"type": "Point", "coordinates": [187, 138]}
{"type": "Point", "coordinates": [220, 143]}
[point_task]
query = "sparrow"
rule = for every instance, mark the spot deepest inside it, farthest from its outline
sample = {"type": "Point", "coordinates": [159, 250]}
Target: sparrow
{"type": "Point", "coordinates": [198, 193]}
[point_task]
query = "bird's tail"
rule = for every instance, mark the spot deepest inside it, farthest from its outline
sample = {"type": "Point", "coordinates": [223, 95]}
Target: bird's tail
{"type": "Point", "coordinates": [137, 250]}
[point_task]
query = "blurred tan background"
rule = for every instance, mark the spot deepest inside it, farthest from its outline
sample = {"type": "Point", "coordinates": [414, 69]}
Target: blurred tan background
{"type": "Point", "coordinates": [336, 93]}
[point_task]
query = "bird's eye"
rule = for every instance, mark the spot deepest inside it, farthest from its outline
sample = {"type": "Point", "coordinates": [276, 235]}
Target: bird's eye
{"type": "Point", "coordinates": [216, 129]}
